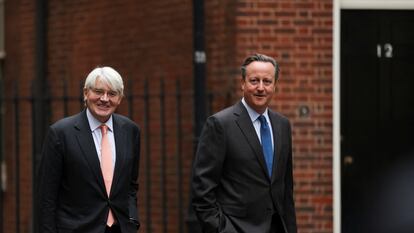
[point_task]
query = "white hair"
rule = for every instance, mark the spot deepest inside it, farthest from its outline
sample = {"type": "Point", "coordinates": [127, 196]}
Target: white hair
{"type": "Point", "coordinates": [109, 76]}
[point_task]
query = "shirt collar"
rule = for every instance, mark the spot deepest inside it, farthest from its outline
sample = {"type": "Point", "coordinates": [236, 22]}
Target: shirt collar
{"type": "Point", "coordinates": [252, 113]}
{"type": "Point", "coordinates": [95, 123]}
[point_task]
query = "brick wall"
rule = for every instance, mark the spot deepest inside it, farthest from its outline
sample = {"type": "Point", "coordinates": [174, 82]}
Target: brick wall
{"type": "Point", "coordinates": [18, 69]}
{"type": "Point", "coordinates": [152, 40]}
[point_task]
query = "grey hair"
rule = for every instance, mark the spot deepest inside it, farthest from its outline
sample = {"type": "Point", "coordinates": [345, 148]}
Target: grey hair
{"type": "Point", "coordinates": [109, 76]}
{"type": "Point", "coordinates": [260, 58]}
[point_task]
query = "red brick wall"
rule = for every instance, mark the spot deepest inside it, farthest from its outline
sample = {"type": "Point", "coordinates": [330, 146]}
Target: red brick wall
{"type": "Point", "coordinates": [153, 40]}
{"type": "Point", "coordinates": [18, 69]}
{"type": "Point", "coordinates": [299, 35]}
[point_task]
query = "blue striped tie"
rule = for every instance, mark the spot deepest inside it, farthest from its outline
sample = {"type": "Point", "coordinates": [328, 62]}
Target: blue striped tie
{"type": "Point", "coordinates": [266, 143]}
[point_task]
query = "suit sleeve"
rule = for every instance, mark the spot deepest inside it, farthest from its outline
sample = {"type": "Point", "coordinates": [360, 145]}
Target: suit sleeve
{"type": "Point", "coordinates": [133, 209]}
{"type": "Point", "coordinates": [207, 170]}
{"type": "Point", "coordinates": [50, 174]}
{"type": "Point", "coordinates": [289, 201]}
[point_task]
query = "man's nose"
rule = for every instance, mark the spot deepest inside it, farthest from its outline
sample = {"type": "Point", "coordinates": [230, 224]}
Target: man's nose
{"type": "Point", "coordinates": [104, 97]}
{"type": "Point", "coordinates": [260, 85]}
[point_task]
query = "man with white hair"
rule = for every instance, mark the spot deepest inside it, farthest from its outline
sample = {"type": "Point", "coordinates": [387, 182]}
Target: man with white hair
{"type": "Point", "coordinates": [90, 164]}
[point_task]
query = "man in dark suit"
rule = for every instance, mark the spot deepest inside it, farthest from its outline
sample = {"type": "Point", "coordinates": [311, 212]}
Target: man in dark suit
{"type": "Point", "coordinates": [242, 173]}
{"type": "Point", "coordinates": [90, 163]}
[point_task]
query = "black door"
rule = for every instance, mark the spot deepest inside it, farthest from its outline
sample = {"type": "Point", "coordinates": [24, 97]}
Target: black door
{"type": "Point", "coordinates": [377, 109]}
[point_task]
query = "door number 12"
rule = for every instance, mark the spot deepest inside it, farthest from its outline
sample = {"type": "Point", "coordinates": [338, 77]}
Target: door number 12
{"type": "Point", "coordinates": [387, 50]}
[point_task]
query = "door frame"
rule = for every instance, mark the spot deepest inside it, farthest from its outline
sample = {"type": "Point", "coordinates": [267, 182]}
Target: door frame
{"type": "Point", "coordinates": [338, 5]}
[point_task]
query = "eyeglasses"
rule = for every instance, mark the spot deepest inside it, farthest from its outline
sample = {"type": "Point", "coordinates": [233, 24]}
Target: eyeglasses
{"type": "Point", "coordinates": [101, 92]}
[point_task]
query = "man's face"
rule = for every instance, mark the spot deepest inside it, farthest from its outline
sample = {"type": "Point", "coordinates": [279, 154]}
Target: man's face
{"type": "Point", "coordinates": [101, 100]}
{"type": "Point", "coordinates": [259, 85]}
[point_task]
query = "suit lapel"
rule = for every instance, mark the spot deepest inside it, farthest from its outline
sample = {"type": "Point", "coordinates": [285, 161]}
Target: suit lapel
{"type": "Point", "coordinates": [246, 126]}
{"type": "Point", "coordinates": [88, 148]}
{"type": "Point", "coordinates": [120, 139]}
{"type": "Point", "coordinates": [277, 142]}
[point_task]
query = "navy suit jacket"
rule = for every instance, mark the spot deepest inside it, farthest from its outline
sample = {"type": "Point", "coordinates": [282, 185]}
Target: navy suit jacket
{"type": "Point", "coordinates": [232, 191]}
{"type": "Point", "coordinates": [72, 194]}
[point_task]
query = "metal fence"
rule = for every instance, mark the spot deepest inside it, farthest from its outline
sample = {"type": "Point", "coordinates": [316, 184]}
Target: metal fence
{"type": "Point", "coordinates": [146, 106]}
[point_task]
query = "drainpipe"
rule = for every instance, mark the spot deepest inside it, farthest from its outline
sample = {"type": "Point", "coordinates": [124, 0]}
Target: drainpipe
{"type": "Point", "coordinates": [199, 67]}
{"type": "Point", "coordinates": [3, 170]}
{"type": "Point", "coordinates": [199, 61]}
{"type": "Point", "coordinates": [40, 102]}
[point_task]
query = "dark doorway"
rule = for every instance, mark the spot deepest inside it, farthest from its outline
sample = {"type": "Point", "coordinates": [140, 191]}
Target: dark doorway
{"type": "Point", "coordinates": [377, 107]}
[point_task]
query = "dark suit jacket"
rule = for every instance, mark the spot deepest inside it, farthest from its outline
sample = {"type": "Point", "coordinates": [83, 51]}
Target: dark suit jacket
{"type": "Point", "coordinates": [71, 188]}
{"type": "Point", "coordinates": [232, 191]}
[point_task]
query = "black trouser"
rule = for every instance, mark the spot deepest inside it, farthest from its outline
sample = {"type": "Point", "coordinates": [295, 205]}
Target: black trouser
{"type": "Point", "coordinates": [113, 229]}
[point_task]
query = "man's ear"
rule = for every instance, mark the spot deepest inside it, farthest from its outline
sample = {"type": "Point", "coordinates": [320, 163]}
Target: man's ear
{"type": "Point", "coordinates": [85, 92]}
